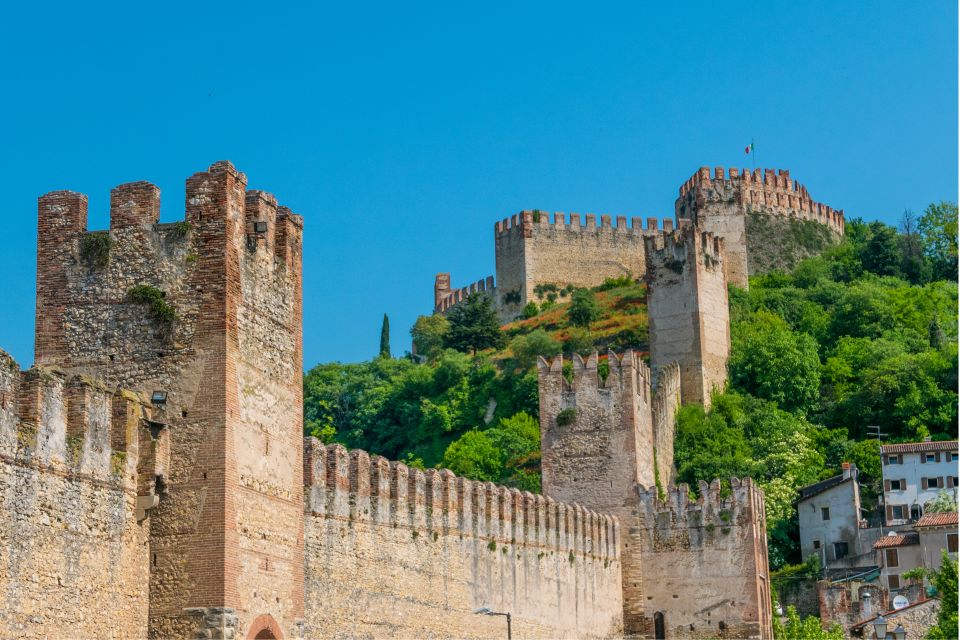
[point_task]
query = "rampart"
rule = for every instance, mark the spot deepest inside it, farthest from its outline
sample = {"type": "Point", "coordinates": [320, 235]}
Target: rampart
{"type": "Point", "coordinates": [726, 202]}
{"type": "Point", "coordinates": [81, 468]}
{"type": "Point", "coordinates": [393, 551]}
{"type": "Point", "coordinates": [709, 557]}
{"type": "Point", "coordinates": [206, 311]}
{"type": "Point", "coordinates": [445, 297]}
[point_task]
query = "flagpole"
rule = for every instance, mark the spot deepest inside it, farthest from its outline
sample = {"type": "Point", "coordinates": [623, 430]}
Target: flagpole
{"type": "Point", "coordinates": [753, 150]}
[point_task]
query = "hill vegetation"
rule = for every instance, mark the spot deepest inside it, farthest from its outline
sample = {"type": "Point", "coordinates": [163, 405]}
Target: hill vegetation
{"type": "Point", "coordinates": [864, 334]}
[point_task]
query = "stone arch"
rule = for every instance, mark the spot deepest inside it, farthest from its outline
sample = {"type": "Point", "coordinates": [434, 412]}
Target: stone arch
{"type": "Point", "coordinates": [659, 626]}
{"type": "Point", "coordinates": [264, 627]}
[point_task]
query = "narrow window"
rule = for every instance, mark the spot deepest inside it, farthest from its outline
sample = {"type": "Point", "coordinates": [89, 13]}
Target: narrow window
{"type": "Point", "coordinates": [893, 558]}
{"type": "Point", "coordinates": [840, 550]}
{"type": "Point", "coordinates": [816, 544]}
{"type": "Point", "coordinates": [896, 485]}
{"type": "Point", "coordinates": [825, 513]}
{"type": "Point", "coordinates": [931, 457]}
{"type": "Point", "coordinates": [952, 542]}
{"type": "Point", "coordinates": [893, 582]}
{"type": "Point", "coordinates": [954, 457]}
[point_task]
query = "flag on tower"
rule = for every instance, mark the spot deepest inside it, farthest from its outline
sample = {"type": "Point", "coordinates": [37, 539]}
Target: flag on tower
{"type": "Point", "coordinates": [748, 149]}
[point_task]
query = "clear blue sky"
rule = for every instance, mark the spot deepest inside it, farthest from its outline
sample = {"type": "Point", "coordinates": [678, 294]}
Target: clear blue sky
{"type": "Point", "coordinates": [402, 131]}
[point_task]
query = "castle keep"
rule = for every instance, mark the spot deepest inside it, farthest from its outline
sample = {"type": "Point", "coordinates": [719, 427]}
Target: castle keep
{"type": "Point", "coordinates": [766, 219]}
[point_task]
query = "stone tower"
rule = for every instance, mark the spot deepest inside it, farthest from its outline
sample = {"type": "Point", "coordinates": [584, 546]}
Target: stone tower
{"type": "Point", "coordinates": [688, 310]}
{"type": "Point", "coordinates": [723, 205]}
{"type": "Point", "coordinates": [601, 438]}
{"type": "Point", "coordinates": [203, 316]}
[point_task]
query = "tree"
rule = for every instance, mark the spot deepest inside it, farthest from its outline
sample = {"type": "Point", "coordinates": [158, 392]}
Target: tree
{"type": "Point", "coordinates": [938, 230]}
{"type": "Point", "coordinates": [507, 453]}
{"type": "Point", "coordinates": [770, 361]}
{"type": "Point", "coordinates": [473, 325]}
{"type": "Point", "coordinates": [583, 308]}
{"type": "Point", "coordinates": [942, 503]}
{"type": "Point", "coordinates": [808, 629]}
{"type": "Point", "coordinates": [527, 347]}
{"type": "Point", "coordinates": [945, 580]}
{"type": "Point", "coordinates": [915, 267]}
{"type": "Point", "coordinates": [882, 254]}
{"type": "Point", "coordinates": [428, 334]}
{"type": "Point", "coordinates": [385, 337]}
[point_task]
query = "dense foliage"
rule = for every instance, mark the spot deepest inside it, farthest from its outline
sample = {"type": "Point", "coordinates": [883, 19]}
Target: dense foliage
{"type": "Point", "coordinates": [808, 628]}
{"type": "Point", "coordinates": [945, 580]}
{"type": "Point", "coordinates": [863, 335]}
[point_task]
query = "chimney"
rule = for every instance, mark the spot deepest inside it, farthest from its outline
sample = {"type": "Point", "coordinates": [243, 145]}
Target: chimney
{"type": "Point", "coordinates": [927, 439]}
{"type": "Point", "coordinates": [848, 469]}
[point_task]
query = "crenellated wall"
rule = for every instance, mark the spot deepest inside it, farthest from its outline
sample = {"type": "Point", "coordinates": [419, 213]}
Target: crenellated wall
{"type": "Point", "coordinates": [445, 297]}
{"type": "Point", "coordinates": [223, 339]}
{"type": "Point", "coordinates": [393, 551]}
{"type": "Point", "coordinates": [724, 203]}
{"type": "Point", "coordinates": [534, 248]}
{"type": "Point", "coordinates": [79, 464]}
{"type": "Point", "coordinates": [709, 557]}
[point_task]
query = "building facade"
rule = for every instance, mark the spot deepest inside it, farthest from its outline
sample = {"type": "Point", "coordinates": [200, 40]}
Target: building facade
{"type": "Point", "coordinates": [913, 474]}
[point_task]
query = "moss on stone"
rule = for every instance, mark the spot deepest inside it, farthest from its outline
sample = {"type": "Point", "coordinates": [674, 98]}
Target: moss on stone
{"type": "Point", "coordinates": [118, 463]}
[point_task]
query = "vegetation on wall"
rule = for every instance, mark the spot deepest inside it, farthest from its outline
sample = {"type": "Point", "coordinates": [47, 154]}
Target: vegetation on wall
{"type": "Point", "coordinates": [95, 249]}
{"type": "Point", "coordinates": [160, 309]}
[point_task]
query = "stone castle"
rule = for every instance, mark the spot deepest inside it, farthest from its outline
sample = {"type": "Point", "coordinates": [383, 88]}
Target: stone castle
{"type": "Point", "coordinates": [155, 482]}
{"type": "Point", "coordinates": [752, 212]}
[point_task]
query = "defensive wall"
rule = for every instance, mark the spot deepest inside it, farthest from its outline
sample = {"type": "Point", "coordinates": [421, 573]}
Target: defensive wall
{"type": "Point", "coordinates": [79, 470]}
{"type": "Point", "coordinates": [709, 561]}
{"type": "Point", "coordinates": [728, 201]}
{"type": "Point", "coordinates": [206, 311]}
{"type": "Point", "coordinates": [399, 552]}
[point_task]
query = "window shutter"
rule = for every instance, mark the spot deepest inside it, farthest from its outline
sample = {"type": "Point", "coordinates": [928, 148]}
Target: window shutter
{"type": "Point", "coordinates": [900, 458]}
{"type": "Point", "coordinates": [923, 458]}
{"type": "Point", "coordinates": [886, 485]}
{"type": "Point", "coordinates": [923, 483]}
{"type": "Point", "coordinates": [889, 513]}
{"type": "Point", "coordinates": [940, 482]}
{"type": "Point", "coordinates": [949, 482]}
{"type": "Point", "coordinates": [938, 456]}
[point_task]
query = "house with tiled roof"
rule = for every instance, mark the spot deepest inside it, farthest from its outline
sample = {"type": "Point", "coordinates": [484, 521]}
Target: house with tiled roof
{"type": "Point", "coordinates": [938, 533]}
{"type": "Point", "coordinates": [897, 553]}
{"type": "Point", "coordinates": [913, 474]}
{"type": "Point", "coordinates": [831, 524]}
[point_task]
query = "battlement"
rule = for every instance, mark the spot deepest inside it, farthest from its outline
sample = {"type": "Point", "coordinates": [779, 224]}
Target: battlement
{"type": "Point", "coordinates": [622, 369]}
{"type": "Point", "coordinates": [758, 190]}
{"type": "Point", "coordinates": [670, 248]}
{"type": "Point", "coordinates": [355, 486]}
{"type": "Point", "coordinates": [447, 298]}
{"type": "Point", "coordinates": [531, 220]}
{"type": "Point", "coordinates": [677, 511]}
{"type": "Point", "coordinates": [80, 427]}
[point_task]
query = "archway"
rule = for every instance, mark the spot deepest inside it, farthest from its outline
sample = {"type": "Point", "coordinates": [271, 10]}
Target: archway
{"type": "Point", "coordinates": [659, 627]}
{"type": "Point", "coordinates": [264, 627]}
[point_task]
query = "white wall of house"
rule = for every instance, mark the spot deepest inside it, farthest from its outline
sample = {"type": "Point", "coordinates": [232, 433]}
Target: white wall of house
{"type": "Point", "coordinates": [905, 485]}
{"type": "Point", "coordinates": [843, 510]}
{"type": "Point", "coordinates": [933, 541]}
{"type": "Point", "coordinates": [894, 561]}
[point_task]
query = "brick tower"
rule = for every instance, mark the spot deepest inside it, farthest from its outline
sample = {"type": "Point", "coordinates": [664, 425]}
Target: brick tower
{"type": "Point", "coordinates": [203, 316]}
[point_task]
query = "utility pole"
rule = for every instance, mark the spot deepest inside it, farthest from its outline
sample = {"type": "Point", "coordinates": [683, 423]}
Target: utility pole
{"type": "Point", "coordinates": [874, 430]}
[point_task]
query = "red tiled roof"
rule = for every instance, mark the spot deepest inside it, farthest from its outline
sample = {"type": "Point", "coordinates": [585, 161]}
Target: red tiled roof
{"type": "Point", "coordinates": [900, 540]}
{"type": "Point", "coordinates": [938, 520]}
{"type": "Point", "coordinates": [918, 447]}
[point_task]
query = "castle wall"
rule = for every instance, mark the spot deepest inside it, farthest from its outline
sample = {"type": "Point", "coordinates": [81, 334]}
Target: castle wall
{"type": "Point", "coordinates": [399, 552]}
{"type": "Point", "coordinates": [710, 560]}
{"type": "Point", "coordinates": [721, 204]}
{"type": "Point", "coordinates": [533, 249]}
{"type": "Point", "coordinates": [74, 552]}
{"type": "Point", "coordinates": [229, 360]}
{"type": "Point", "coordinates": [688, 311]}
{"type": "Point", "coordinates": [446, 298]}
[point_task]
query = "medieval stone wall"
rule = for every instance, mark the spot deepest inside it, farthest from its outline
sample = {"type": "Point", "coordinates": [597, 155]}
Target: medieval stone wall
{"type": "Point", "coordinates": [689, 316]}
{"type": "Point", "coordinates": [223, 341]}
{"type": "Point", "coordinates": [398, 552]}
{"type": "Point", "coordinates": [723, 203]}
{"type": "Point", "coordinates": [709, 557]}
{"type": "Point", "coordinates": [74, 551]}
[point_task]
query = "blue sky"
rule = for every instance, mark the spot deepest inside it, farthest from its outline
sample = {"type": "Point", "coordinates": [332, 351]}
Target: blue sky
{"type": "Point", "coordinates": [402, 131]}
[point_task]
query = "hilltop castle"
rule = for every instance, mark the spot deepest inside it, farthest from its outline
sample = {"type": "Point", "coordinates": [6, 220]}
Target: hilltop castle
{"type": "Point", "coordinates": [765, 218]}
{"type": "Point", "coordinates": [155, 482]}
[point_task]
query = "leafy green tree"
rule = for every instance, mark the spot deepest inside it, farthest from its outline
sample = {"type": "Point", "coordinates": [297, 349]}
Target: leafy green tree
{"type": "Point", "coordinates": [429, 333]}
{"type": "Point", "coordinates": [808, 628]}
{"type": "Point", "coordinates": [473, 326]}
{"type": "Point", "coordinates": [882, 254]}
{"type": "Point", "coordinates": [527, 347]}
{"type": "Point", "coordinates": [474, 455]}
{"type": "Point", "coordinates": [938, 229]}
{"type": "Point", "coordinates": [945, 580]}
{"type": "Point", "coordinates": [770, 361]}
{"type": "Point", "coordinates": [916, 267]}
{"type": "Point", "coordinates": [507, 453]}
{"type": "Point", "coordinates": [385, 337]}
{"type": "Point", "coordinates": [942, 503]}
{"type": "Point", "coordinates": [530, 310]}
{"type": "Point", "coordinates": [583, 308]}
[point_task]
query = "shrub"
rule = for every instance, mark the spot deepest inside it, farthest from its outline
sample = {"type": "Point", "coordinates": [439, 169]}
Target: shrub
{"type": "Point", "coordinates": [160, 309]}
{"type": "Point", "coordinates": [583, 308]}
{"type": "Point", "coordinates": [566, 416]}
{"type": "Point", "coordinates": [527, 348]}
{"type": "Point", "coordinates": [95, 249]}
{"type": "Point", "coordinates": [615, 283]}
{"type": "Point", "coordinates": [531, 310]}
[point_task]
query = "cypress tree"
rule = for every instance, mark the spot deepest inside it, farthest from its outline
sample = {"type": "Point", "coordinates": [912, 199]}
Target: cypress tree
{"type": "Point", "coordinates": [385, 337]}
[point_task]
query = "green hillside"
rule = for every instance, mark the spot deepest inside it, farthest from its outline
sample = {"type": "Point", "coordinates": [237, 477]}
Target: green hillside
{"type": "Point", "coordinates": [865, 334]}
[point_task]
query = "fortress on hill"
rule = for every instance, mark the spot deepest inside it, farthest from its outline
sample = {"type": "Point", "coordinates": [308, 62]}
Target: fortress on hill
{"type": "Point", "coordinates": [766, 219]}
{"type": "Point", "coordinates": [155, 481]}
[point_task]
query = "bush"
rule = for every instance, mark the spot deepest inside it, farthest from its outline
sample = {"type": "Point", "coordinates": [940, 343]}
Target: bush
{"type": "Point", "coordinates": [531, 310]}
{"type": "Point", "coordinates": [567, 416]}
{"type": "Point", "coordinates": [95, 249]}
{"type": "Point", "coordinates": [429, 333]}
{"type": "Point", "coordinates": [583, 308]}
{"type": "Point", "coordinates": [160, 309]}
{"type": "Point", "coordinates": [526, 348]}
{"type": "Point", "coordinates": [615, 283]}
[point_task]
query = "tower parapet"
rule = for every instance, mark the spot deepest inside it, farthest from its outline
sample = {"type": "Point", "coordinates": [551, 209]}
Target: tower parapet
{"type": "Point", "coordinates": [446, 298]}
{"type": "Point", "coordinates": [722, 202]}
